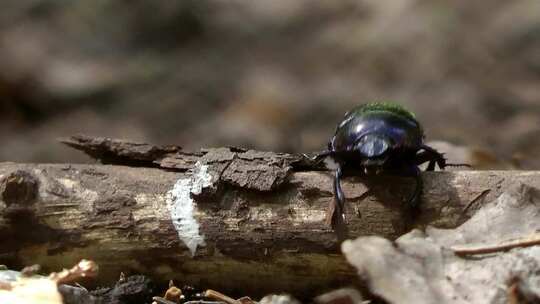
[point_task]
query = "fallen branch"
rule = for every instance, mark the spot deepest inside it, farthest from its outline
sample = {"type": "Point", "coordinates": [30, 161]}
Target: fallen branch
{"type": "Point", "coordinates": [227, 217]}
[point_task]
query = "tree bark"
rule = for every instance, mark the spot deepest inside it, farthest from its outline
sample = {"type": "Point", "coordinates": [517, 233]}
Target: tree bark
{"type": "Point", "coordinates": [253, 224]}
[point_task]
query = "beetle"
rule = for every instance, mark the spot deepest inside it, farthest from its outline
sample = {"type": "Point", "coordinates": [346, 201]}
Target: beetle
{"type": "Point", "coordinates": [380, 137]}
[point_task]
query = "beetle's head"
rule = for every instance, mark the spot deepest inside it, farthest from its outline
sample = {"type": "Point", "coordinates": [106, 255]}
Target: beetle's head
{"type": "Point", "coordinates": [374, 148]}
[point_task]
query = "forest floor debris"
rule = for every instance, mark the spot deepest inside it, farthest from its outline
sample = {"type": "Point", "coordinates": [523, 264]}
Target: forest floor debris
{"type": "Point", "coordinates": [28, 287]}
{"type": "Point", "coordinates": [429, 267]}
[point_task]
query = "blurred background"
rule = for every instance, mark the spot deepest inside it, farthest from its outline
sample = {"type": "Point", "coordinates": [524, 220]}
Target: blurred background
{"type": "Point", "coordinates": [274, 75]}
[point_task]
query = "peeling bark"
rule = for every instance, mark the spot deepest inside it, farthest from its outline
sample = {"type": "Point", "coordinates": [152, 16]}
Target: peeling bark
{"type": "Point", "coordinates": [248, 169]}
{"type": "Point", "coordinates": [120, 152]}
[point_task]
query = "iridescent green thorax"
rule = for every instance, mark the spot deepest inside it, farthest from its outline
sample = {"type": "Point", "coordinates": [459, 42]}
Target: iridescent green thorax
{"type": "Point", "coordinates": [385, 107]}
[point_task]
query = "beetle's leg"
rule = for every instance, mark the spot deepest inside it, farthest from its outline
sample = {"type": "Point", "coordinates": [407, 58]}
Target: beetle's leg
{"type": "Point", "coordinates": [423, 157]}
{"type": "Point", "coordinates": [414, 199]}
{"type": "Point", "coordinates": [338, 193]}
{"type": "Point", "coordinates": [434, 157]}
{"type": "Point", "coordinates": [319, 157]}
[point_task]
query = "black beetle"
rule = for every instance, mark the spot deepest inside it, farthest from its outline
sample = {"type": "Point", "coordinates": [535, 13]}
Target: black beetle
{"type": "Point", "coordinates": [380, 137]}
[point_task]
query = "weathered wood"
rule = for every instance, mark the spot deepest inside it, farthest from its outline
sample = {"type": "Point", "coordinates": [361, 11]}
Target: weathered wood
{"type": "Point", "coordinates": [132, 220]}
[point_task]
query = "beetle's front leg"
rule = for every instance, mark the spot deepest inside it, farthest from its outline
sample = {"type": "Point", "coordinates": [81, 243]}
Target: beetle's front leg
{"type": "Point", "coordinates": [338, 193]}
{"type": "Point", "coordinates": [415, 172]}
{"type": "Point", "coordinates": [423, 157]}
{"type": "Point", "coordinates": [433, 156]}
{"type": "Point", "coordinates": [319, 157]}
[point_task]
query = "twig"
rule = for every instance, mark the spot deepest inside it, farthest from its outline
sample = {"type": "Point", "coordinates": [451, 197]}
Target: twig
{"type": "Point", "coordinates": [161, 300]}
{"type": "Point", "coordinates": [212, 294]}
{"type": "Point", "coordinates": [523, 242]}
{"type": "Point", "coordinates": [474, 200]}
{"type": "Point", "coordinates": [83, 269]}
{"type": "Point", "coordinates": [203, 302]}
